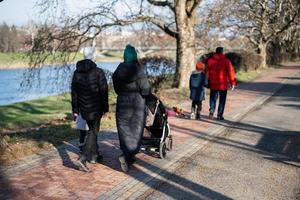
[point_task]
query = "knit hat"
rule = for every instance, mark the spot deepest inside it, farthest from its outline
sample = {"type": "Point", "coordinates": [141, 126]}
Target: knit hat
{"type": "Point", "coordinates": [130, 54]}
{"type": "Point", "coordinates": [199, 65]}
{"type": "Point", "coordinates": [89, 53]}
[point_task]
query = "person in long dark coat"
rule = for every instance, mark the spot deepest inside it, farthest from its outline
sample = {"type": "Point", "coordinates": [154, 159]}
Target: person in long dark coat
{"type": "Point", "coordinates": [89, 98]}
{"type": "Point", "coordinates": [132, 86]}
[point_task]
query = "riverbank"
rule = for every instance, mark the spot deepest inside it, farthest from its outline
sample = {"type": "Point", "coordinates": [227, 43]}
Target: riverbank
{"type": "Point", "coordinates": [21, 60]}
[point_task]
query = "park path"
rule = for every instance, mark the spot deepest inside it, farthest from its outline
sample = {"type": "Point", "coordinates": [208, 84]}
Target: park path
{"type": "Point", "coordinates": [257, 157]}
{"type": "Point", "coordinates": [51, 175]}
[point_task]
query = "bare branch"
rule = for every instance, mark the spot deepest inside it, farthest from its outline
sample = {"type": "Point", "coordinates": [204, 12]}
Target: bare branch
{"type": "Point", "coordinates": [193, 7]}
{"type": "Point", "coordinates": [163, 4]}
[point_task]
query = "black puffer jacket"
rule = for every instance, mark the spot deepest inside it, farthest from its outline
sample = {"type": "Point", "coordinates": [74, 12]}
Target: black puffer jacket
{"type": "Point", "coordinates": [131, 85]}
{"type": "Point", "coordinates": [89, 90]}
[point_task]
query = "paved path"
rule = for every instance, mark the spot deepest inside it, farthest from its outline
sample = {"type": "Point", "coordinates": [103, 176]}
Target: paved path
{"type": "Point", "coordinates": [51, 175]}
{"type": "Point", "coordinates": [256, 158]}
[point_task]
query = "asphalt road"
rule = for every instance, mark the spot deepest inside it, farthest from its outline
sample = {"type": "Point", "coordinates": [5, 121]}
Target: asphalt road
{"type": "Point", "coordinates": [257, 158]}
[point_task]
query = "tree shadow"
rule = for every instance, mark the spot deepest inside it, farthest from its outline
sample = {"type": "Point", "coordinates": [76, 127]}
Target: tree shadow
{"type": "Point", "coordinates": [290, 105]}
{"type": "Point", "coordinates": [290, 78]}
{"type": "Point", "coordinates": [56, 135]}
{"type": "Point", "coordinates": [277, 144]}
{"type": "Point", "coordinates": [178, 186]}
{"type": "Point", "coordinates": [6, 190]}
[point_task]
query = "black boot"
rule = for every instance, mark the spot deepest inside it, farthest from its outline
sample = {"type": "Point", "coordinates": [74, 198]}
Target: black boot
{"type": "Point", "coordinates": [220, 117]}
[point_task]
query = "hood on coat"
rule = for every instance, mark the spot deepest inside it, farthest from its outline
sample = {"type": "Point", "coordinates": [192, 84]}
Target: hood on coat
{"type": "Point", "coordinates": [128, 72]}
{"type": "Point", "coordinates": [85, 65]}
{"type": "Point", "coordinates": [219, 56]}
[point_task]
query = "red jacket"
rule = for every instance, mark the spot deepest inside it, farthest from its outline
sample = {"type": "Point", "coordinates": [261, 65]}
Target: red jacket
{"type": "Point", "coordinates": [219, 72]}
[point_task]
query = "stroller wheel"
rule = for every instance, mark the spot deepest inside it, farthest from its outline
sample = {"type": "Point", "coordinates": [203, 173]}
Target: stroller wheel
{"type": "Point", "coordinates": [162, 150]}
{"type": "Point", "coordinates": [170, 143]}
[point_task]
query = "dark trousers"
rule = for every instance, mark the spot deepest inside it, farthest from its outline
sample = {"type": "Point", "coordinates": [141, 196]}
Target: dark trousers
{"type": "Point", "coordinates": [197, 107]}
{"type": "Point", "coordinates": [90, 148]}
{"type": "Point", "coordinates": [213, 100]}
{"type": "Point", "coordinates": [82, 136]}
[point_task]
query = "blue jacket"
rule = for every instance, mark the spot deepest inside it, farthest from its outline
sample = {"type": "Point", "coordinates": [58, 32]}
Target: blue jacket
{"type": "Point", "coordinates": [197, 83]}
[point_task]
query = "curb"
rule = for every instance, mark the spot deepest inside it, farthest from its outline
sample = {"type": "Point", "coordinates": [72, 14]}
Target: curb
{"type": "Point", "coordinates": [142, 184]}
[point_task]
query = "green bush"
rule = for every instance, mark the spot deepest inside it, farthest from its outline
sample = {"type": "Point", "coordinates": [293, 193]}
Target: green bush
{"type": "Point", "coordinates": [160, 71]}
{"type": "Point", "coordinates": [204, 58]}
{"type": "Point", "coordinates": [242, 61]}
{"type": "Point", "coordinates": [236, 60]}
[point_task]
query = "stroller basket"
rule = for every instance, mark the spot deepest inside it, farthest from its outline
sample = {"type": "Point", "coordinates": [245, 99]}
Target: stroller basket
{"type": "Point", "coordinates": [157, 127]}
{"type": "Point", "coordinates": [150, 115]}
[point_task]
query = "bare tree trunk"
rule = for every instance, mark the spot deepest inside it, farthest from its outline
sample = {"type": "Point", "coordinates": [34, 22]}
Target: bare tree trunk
{"type": "Point", "coordinates": [185, 54]}
{"type": "Point", "coordinates": [262, 51]}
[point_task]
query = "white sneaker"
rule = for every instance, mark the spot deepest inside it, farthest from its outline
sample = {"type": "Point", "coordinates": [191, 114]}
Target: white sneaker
{"type": "Point", "coordinates": [192, 115]}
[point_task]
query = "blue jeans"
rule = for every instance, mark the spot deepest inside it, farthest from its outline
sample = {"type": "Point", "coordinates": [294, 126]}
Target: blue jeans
{"type": "Point", "coordinates": [213, 100]}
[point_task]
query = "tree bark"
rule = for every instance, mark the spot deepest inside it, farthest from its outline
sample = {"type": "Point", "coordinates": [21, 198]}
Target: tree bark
{"type": "Point", "coordinates": [185, 53]}
{"type": "Point", "coordinates": [262, 51]}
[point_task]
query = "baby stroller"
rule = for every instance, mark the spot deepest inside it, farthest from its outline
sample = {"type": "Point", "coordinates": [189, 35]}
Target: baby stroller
{"type": "Point", "coordinates": [157, 129]}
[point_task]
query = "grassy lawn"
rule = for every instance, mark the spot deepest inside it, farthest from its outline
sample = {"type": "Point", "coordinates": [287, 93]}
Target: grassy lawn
{"type": "Point", "coordinates": [248, 76]}
{"type": "Point", "coordinates": [42, 124]}
{"type": "Point", "coordinates": [34, 113]}
{"type": "Point", "coordinates": [11, 60]}
{"type": "Point", "coordinates": [22, 60]}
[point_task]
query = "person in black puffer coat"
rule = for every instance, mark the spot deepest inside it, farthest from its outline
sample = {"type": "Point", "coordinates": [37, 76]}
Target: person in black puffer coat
{"type": "Point", "coordinates": [131, 85]}
{"type": "Point", "coordinates": [89, 92]}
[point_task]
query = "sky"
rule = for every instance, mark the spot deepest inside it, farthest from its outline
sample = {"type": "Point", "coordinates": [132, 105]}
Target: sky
{"type": "Point", "coordinates": [17, 12]}
{"type": "Point", "coordinates": [20, 12]}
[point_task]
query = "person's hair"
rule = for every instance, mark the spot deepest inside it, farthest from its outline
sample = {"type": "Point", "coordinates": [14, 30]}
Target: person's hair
{"type": "Point", "coordinates": [219, 50]}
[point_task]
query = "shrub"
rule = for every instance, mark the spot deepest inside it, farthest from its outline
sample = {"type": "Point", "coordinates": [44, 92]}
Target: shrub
{"type": "Point", "coordinates": [160, 71]}
{"type": "Point", "coordinates": [289, 56]}
{"type": "Point", "coordinates": [242, 61]}
{"type": "Point", "coordinates": [236, 60]}
{"type": "Point", "coordinates": [204, 58]}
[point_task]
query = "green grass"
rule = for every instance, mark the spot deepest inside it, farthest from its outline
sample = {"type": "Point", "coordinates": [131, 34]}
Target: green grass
{"type": "Point", "coordinates": [10, 58]}
{"type": "Point", "coordinates": [246, 76]}
{"type": "Point", "coordinates": [22, 60]}
{"type": "Point", "coordinates": [49, 125]}
{"type": "Point", "coordinates": [36, 112]}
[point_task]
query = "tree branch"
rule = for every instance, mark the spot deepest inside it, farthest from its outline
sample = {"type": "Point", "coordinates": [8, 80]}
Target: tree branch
{"type": "Point", "coordinates": [157, 22]}
{"type": "Point", "coordinates": [194, 6]}
{"type": "Point", "coordinates": [163, 4]}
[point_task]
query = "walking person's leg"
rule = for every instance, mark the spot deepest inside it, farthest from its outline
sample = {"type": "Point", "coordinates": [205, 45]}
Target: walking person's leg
{"type": "Point", "coordinates": [222, 102]}
{"type": "Point", "coordinates": [193, 109]}
{"type": "Point", "coordinates": [212, 102]}
{"type": "Point", "coordinates": [82, 139]}
{"type": "Point", "coordinates": [94, 151]}
{"type": "Point", "coordinates": [199, 108]}
{"type": "Point", "coordinates": [90, 146]}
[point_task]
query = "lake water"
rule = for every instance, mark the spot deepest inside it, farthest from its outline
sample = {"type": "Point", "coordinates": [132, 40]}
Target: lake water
{"type": "Point", "coordinates": [50, 82]}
